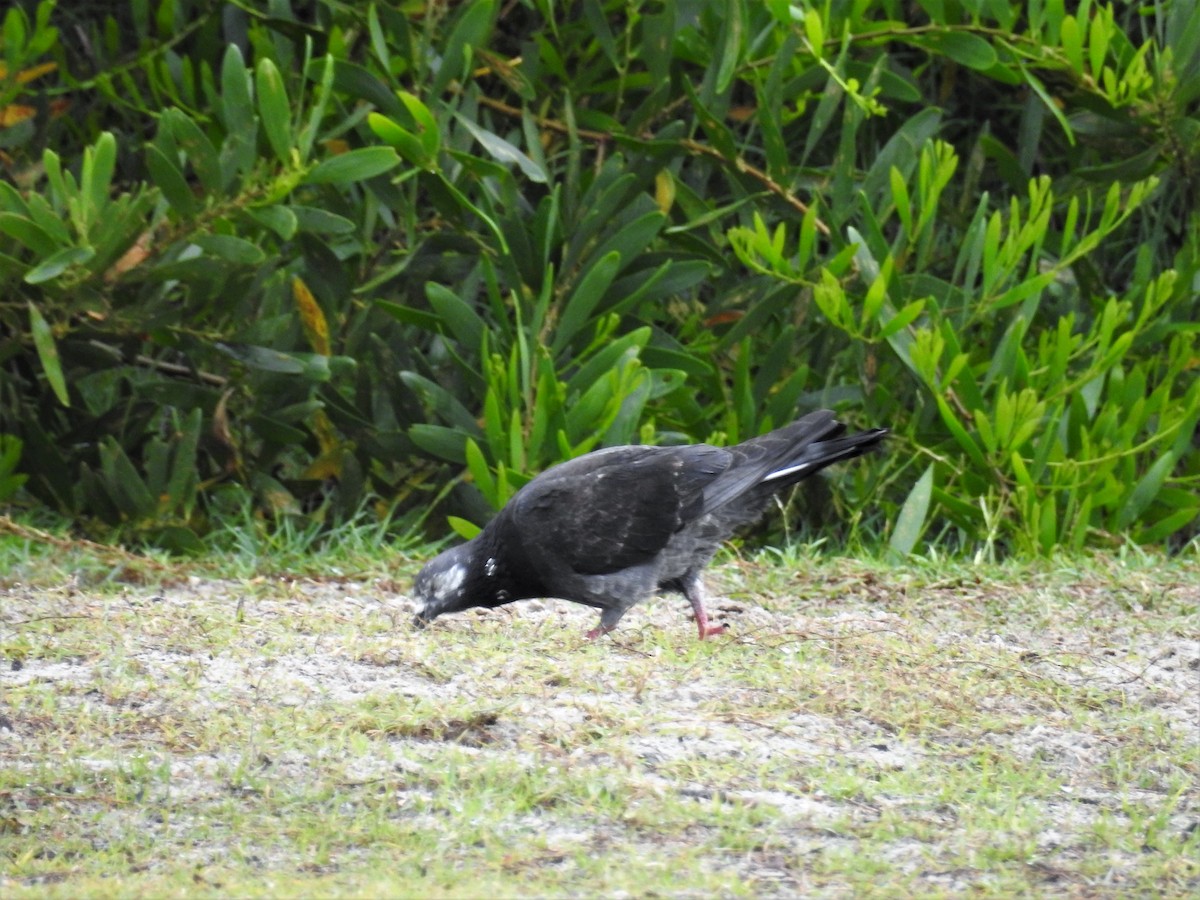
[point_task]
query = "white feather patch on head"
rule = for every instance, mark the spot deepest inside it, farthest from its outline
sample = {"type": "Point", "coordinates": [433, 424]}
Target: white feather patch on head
{"type": "Point", "coordinates": [445, 583]}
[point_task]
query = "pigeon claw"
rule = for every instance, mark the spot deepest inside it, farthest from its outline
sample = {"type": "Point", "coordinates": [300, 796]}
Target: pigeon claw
{"type": "Point", "coordinates": [707, 630]}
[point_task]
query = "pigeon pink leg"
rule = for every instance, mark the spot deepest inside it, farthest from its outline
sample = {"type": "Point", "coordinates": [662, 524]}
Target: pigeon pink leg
{"type": "Point", "coordinates": [694, 598]}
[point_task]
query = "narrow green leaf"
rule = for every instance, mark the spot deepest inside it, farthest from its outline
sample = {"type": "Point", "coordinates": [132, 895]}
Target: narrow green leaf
{"type": "Point", "coordinates": [232, 249]}
{"type": "Point", "coordinates": [731, 45]}
{"type": "Point", "coordinates": [1048, 524]}
{"type": "Point", "coordinates": [910, 523]}
{"type": "Point", "coordinates": [409, 316]}
{"type": "Point", "coordinates": [28, 233]}
{"type": "Point", "coordinates": [584, 298]}
{"type": "Point", "coordinates": [428, 131]}
{"type": "Point", "coordinates": [354, 165]}
{"type": "Point", "coordinates": [462, 527]}
{"type": "Point", "coordinates": [123, 482]}
{"type": "Point", "coordinates": [316, 113]}
{"type": "Point", "coordinates": [181, 486]}
{"type": "Point", "coordinates": [408, 144]}
{"type": "Point", "coordinates": [503, 151]}
{"type": "Point", "coordinates": [902, 319]}
{"type": "Point", "coordinates": [1040, 89]}
{"type": "Point", "coordinates": [458, 317]}
{"type": "Point", "coordinates": [167, 178]}
{"type": "Point", "coordinates": [321, 221]}
{"type": "Point", "coordinates": [57, 263]}
{"type": "Point", "coordinates": [1168, 525]}
{"type": "Point", "coordinates": [95, 177]}
{"type": "Point", "coordinates": [237, 101]}
{"type": "Point", "coordinates": [273, 108]}
{"type": "Point", "coordinates": [960, 435]}
{"type": "Point", "coordinates": [440, 441]}
{"type": "Point", "coordinates": [632, 239]}
{"type": "Point", "coordinates": [482, 476]}
{"type": "Point", "coordinates": [1144, 491]}
{"type": "Point", "coordinates": [199, 149]}
{"type": "Point", "coordinates": [279, 219]}
{"type": "Point", "coordinates": [47, 350]}
{"type": "Point", "coordinates": [471, 30]}
{"type": "Point", "coordinates": [441, 401]}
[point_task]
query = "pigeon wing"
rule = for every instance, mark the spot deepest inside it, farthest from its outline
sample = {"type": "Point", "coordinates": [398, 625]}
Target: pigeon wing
{"type": "Point", "coordinates": [614, 509]}
{"type": "Point", "coordinates": [754, 460]}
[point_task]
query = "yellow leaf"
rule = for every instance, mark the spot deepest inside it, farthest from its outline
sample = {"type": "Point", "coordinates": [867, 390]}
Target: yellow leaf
{"type": "Point", "coordinates": [316, 329]}
{"type": "Point", "coordinates": [664, 190]}
{"type": "Point", "coordinates": [27, 75]}
{"type": "Point", "coordinates": [328, 463]}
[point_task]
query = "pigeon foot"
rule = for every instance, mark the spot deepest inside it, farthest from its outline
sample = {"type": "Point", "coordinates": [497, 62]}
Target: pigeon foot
{"type": "Point", "coordinates": [707, 630]}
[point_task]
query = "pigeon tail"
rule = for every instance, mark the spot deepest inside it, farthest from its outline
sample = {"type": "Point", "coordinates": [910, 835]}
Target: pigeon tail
{"type": "Point", "coordinates": [818, 455]}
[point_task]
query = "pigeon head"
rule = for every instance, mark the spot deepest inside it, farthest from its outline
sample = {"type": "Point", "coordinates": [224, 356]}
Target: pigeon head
{"type": "Point", "coordinates": [477, 573]}
{"type": "Point", "coordinates": [443, 586]}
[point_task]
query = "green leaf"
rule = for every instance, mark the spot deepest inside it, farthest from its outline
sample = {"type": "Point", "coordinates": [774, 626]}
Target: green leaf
{"type": "Point", "coordinates": [1168, 525]}
{"type": "Point", "coordinates": [28, 233]}
{"type": "Point", "coordinates": [482, 476]}
{"type": "Point", "coordinates": [503, 151]}
{"type": "Point", "coordinates": [181, 486]}
{"type": "Point", "coordinates": [47, 350]}
{"type": "Point", "coordinates": [354, 165]}
{"type": "Point", "coordinates": [902, 319]}
{"type": "Point", "coordinates": [123, 482]}
{"type": "Point", "coordinates": [237, 102]}
{"type": "Point", "coordinates": [462, 527]}
{"type": "Point", "coordinates": [968, 49]}
{"type": "Point", "coordinates": [458, 317]}
{"type": "Point", "coordinates": [409, 316]}
{"type": "Point", "coordinates": [730, 40]}
{"type": "Point", "coordinates": [584, 298]}
{"type": "Point", "coordinates": [230, 248]}
{"type": "Point", "coordinates": [313, 366]}
{"type": "Point", "coordinates": [279, 219]}
{"type": "Point", "coordinates": [168, 179]}
{"type": "Point", "coordinates": [57, 263]}
{"type": "Point", "coordinates": [321, 221]}
{"type": "Point", "coordinates": [911, 521]}
{"type": "Point", "coordinates": [273, 109]}
{"type": "Point", "coordinates": [198, 148]}
{"type": "Point", "coordinates": [960, 435]}
{"type": "Point", "coordinates": [95, 177]}
{"type": "Point", "coordinates": [471, 30]}
{"type": "Point", "coordinates": [440, 441]}
{"type": "Point", "coordinates": [408, 144]}
{"type": "Point", "coordinates": [428, 132]}
{"type": "Point", "coordinates": [1144, 491]}
{"type": "Point", "coordinates": [441, 401]}
{"type": "Point", "coordinates": [632, 239]}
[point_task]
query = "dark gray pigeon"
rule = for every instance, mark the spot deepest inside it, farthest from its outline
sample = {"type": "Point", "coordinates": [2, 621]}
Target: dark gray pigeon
{"type": "Point", "coordinates": [609, 528]}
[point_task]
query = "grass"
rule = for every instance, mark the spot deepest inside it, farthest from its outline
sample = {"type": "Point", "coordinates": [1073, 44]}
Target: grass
{"type": "Point", "coordinates": [217, 728]}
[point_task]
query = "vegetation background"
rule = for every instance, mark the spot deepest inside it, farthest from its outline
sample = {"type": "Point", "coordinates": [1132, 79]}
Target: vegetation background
{"type": "Point", "coordinates": [306, 259]}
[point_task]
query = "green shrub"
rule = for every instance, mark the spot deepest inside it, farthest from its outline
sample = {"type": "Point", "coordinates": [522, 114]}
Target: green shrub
{"type": "Point", "coordinates": [334, 253]}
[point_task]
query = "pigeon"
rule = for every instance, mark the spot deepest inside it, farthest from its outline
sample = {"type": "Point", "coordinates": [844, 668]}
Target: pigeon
{"type": "Point", "coordinates": [611, 527]}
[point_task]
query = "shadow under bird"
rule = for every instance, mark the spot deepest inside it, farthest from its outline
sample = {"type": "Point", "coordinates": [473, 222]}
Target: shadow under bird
{"type": "Point", "coordinates": [610, 528]}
